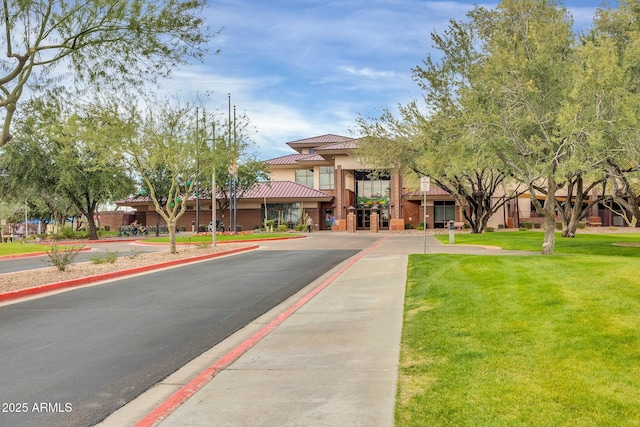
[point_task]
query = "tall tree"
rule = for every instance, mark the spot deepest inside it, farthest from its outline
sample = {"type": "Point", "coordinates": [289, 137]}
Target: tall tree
{"type": "Point", "coordinates": [67, 151]}
{"type": "Point", "coordinates": [610, 99]}
{"type": "Point", "coordinates": [528, 47]}
{"type": "Point", "coordinates": [437, 141]}
{"type": "Point", "coordinates": [417, 143]}
{"type": "Point", "coordinates": [93, 172]}
{"type": "Point", "coordinates": [167, 142]}
{"type": "Point", "coordinates": [106, 42]}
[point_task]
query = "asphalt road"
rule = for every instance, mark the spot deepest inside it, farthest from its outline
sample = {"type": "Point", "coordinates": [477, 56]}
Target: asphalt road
{"type": "Point", "coordinates": [73, 358]}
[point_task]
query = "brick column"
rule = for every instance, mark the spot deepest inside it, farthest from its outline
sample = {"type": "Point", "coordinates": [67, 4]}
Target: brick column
{"type": "Point", "coordinates": [351, 221]}
{"type": "Point", "coordinates": [374, 221]}
{"type": "Point", "coordinates": [338, 192]}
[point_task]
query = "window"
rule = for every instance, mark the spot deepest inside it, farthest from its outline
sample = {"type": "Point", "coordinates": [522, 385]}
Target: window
{"type": "Point", "coordinates": [372, 190]}
{"type": "Point", "coordinates": [282, 213]}
{"type": "Point", "coordinates": [326, 178]}
{"type": "Point", "coordinates": [305, 177]}
{"type": "Point", "coordinates": [443, 212]}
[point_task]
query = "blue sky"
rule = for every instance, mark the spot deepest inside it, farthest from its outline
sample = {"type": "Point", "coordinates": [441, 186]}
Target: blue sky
{"type": "Point", "coordinates": [302, 68]}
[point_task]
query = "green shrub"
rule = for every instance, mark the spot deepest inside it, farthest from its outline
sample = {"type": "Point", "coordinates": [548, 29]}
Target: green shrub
{"type": "Point", "coordinates": [67, 233]}
{"type": "Point", "coordinates": [282, 227]}
{"type": "Point", "coordinates": [134, 253]}
{"type": "Point", "coordinates": [300, 227]}
{"type": "Point", "coordinates": [522, 229]}
{"type": "Point", "coordinates": [582, 225]}
{"type": "Point", "coordinates": [62, 258]}
{"type": "Point", "coordinates": [527, 225]}
{"type": "Point", "coordinates": [490, 229]}
{"type": "Point", "coordinates": [108, 258]}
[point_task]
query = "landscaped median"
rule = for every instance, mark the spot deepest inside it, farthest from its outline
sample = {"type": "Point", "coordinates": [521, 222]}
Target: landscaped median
{"type": "Point", "coordinates": [196, 248]}
{"type": "Point", "coordinates": [88, 279]}
{"type": "Point", "coordinates": [206, 238]}
{"type": "Point", "coordinates": [522, 340]}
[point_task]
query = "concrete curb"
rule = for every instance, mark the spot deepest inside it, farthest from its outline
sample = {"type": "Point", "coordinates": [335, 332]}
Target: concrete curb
{"type": "Point", "coordinates": [37, 290]}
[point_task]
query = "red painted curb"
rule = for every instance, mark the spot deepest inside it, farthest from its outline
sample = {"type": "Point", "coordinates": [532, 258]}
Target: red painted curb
{"type": "Point", "coordinates": [36, 290]}
{"type": "Point", "coordinates": [163, 410]}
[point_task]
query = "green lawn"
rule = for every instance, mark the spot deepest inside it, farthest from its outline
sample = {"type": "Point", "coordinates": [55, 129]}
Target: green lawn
{"type": "Point", "coordinates": [15, 248]}
{"type": "Point", "coordinates": [520, 340]}
{"type": "Point", "coordinates": [594, 244]}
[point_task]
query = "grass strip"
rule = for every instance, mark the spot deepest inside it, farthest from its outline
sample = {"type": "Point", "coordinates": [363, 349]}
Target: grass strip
{"type": "Point", "coordinates": [516, 340]}
{"type": "Point", "coordinates": [592, 244]}
{"type": "Point", "coordinates": [16, 248]}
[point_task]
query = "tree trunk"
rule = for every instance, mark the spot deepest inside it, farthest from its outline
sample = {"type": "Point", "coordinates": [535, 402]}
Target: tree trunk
{"type": "Point", "coordinates": [93, 231]}
{"type": "Point", "coordinates": [549, 213]}
{"type": "Point", "coordinates": [549, 235]}
{"type": "Point", "coordinates": [172, 237]}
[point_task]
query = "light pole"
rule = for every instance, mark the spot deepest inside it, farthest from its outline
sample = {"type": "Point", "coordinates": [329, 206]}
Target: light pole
{"type": "Point", "coordinates": [26, 219]}
{"type": "Point", "coordinates": [197, 173]}
{"type": "Point", "coordinates": [214, 190]}
{"type": "Point", "coordinates": [235, 174]}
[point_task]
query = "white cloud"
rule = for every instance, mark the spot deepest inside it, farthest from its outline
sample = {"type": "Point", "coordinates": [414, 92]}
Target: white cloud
{"type": "Point", "coordinates": [301, 68]}
{"type": "Point", "coordinates": [368, 72]}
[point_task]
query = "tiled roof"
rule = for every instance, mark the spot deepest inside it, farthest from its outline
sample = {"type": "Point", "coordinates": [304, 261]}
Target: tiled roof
{"type": "Point", "coordinates": [293, 159]}
{"type": "Point", "coordinates": [268, 189]}
{"type": "Point", "coordinates": [284, 190]}
{"type": "Point", "coordinates": [320, 140]}
{"type": "Point", "coordinates": [346, 145]}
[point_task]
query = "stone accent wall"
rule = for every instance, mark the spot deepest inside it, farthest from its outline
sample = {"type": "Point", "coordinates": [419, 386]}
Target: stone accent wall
{"type": "Point", "coordinates": [374, 222]}
{"type": "Point", "coordinates": [351, 222]}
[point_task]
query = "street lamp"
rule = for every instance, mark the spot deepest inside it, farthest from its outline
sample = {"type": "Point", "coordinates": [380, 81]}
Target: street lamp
{"type": "Point", "coordinates": [214, 190]}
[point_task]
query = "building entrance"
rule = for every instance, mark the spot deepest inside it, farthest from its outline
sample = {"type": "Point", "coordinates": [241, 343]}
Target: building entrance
{"type": "Point", "coordinates": [363, 218]}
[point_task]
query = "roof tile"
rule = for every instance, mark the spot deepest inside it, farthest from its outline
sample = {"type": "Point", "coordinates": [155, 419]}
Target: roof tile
{"type": "Point", "coordinates": [293, 159]}
{"type": "Point", "coordinates": [323, 139]}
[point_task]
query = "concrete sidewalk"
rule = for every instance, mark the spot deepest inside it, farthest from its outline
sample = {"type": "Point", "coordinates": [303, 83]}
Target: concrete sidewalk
{"type": "Point", "coordinates": [331, 363]}
{"type": "Point", "coordinates": [332, 360]}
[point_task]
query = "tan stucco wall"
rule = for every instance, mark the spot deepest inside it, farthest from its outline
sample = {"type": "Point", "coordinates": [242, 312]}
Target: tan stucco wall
{"type": "Point", "coordinates": [283, 174]}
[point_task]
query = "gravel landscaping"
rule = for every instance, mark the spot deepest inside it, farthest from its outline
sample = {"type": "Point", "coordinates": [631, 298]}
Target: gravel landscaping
{"type": "Point", "coordinates": [46, 275]}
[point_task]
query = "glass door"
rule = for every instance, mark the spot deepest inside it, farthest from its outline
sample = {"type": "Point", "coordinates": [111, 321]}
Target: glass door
{"type": "Point", "coordinates": [363, 219]}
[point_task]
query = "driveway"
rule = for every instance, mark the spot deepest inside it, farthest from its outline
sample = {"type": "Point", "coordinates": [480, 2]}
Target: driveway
{"type": "Point", "coordinates": [75, 357]}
